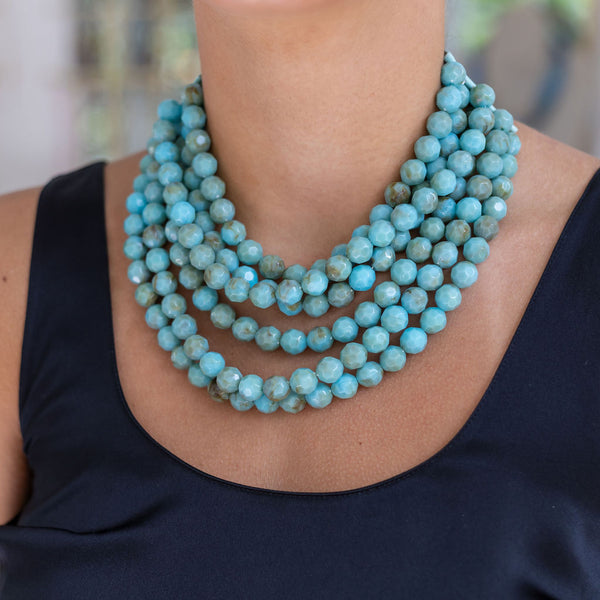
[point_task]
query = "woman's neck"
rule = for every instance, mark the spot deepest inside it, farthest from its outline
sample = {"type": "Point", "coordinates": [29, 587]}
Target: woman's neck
{"type": "Point", "coordinates": [312, 111]}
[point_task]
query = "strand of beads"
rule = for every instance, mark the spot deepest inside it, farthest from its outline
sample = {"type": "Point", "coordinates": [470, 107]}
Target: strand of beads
{"type": "Point", "coordinates": [179, 183]}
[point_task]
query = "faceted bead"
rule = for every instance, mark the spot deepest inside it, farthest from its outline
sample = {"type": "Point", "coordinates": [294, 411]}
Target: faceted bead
{"type": "Point", "coordinates": [370, 374]}
{"type": "Point", "coordinates": [344, 330]}
{"type": "Point", "coordinates": [380, 212]}
{"type": "Point", "coordinates": [403, 271]}
{"type": "Point", "coordinates": [361, 279]}
{"type": "Point", "coordinates": [439, 124]}
{"type": "Point", "coordinates": [458, 232]}
{"type": "Point", "coordinates": [433, 229]}
{"type": "Point", "coordinates": [472, 141]}
{"type": "Point", "coordinates": [435, 166]}
{"type": "Point", "coordinates": [138, 272]}
{"type": "Point", "coordinates": [413, 340]}
{"type": "Point", "coordinates": [244, 329]}
{"type": "Point", "coordinates": [233, 232]}
{"type": "Point", "coordinates": [133, 225]}
{"type": "Point", "coordinates": [216, 276]}
{"type": "Point", "coordinates": [425, 200]}
{"type": "Point", "coordinates": [504, 120]}
{"type": "Point", "coordinates": [502, 186]}
{"type": "Point", "coordinates": [404, 217]}
{"type": "Point", "coordinates": [402, 238]}
{"type": "Point", "coordinates": [448, 297]}
{"type": "Point", "coordinates": [249, 252]}
{"type": "Point", "coordinates": [433, 320]}
{"type": "Point", "coordinates": [392, 359]}
{"type": "Point", "coordinates": [367, 314]}
{"type": "Point", "coordinates": [514, 143]}
{"type": "Point", "coordinates": [239, 403]}
{"type": "Point", "coordinates": [446, 210]}
{"type": "Point", "coordinates": [486, 227]}
{"type": "Point", "coordinates": [204, 164]}
{"type": "Point", "coordinates": [155, 317]}
{"type": "Point", "coordinates": [134, 248]}
{"type": "Point", "coordinates": [222, 316]}
{"type": "Point", "coordinates": [212, 363]}
{"type": "Point", "coordinates": [476, 250]}
{"type": "Point", "coordinates": [340, 294]}
{"type": "Point", "coordinates": [482, 95]}
{"type": "Point", "coordinates": [290, 309]}
{"type": "Point", "coordinates": [413, 172]}
{"type": "Point", "coordinates": [418, 249]}
{"type": "Point", "coordinates": [293, 341]}
{"type": "Point", "coordinates": [145, 295]}
{"type": "Point", "coordinates": [449, 99]}
{"type": "Point", "coordinates": [359, 249]}
{"type": "Point", "coordinates": [397, 193]}
{"type": "Point", "coordinates": [271, 266]}
{"type": "Point", "coordinates": [266, 405]}
{"type": "Point", "coordinates": [193, 117]}
{"type": "Point", "coordinates": [190, 235]}
{"type": "Point", "coordinates": [497, 141]}
{"type": "Point", "coordinates": [464, 274]}
{"type": "Point", "coordinates": [250, 387]}
{"type": "Point", "coordinates": [509, 165]}
{"type": "Point", "coordinates": [229, 379]}
{"type": "Point", "coordinates": [461, 162]}
{"type": "Point", "coordinates": [495, 207]}
{"type": "Point", "coordinates": [376, 339]}
{"type": "Point", "coordinates": [481, 118]}
{"type": "Point", "coordinates": [276, 388]}
{"type": "Point", "coordinates": [338, 268]}
{"type": "Point", "coordinates": [205, 298]}
{"type": "Point", "coordinates": [427, 148]}
{"type": "Point", "coordinates": [315, 306]}
{"type": "Point", "coordinates": [329, 369]}
{"type": "Point", "coordinates": [170, 172]}
{"type": "Point", "coordinates": [490, 164]}
{"type": "Point", "coordinates": [179, 358]}
{"type": "Point", "coordinates": [449, 145]}
{"type": "Point", "coordinates": [382, 233]}
{"type": "Point", "coordinates": [320, 264]}
{"type": "Point", "coordinates": [479, 187]}
{"type": "Point", "coordinates": [303, 381]}
{"type": "Point", "coordinates": [394, 318]}
{"type": "Point", "coordinates": [289, 291]}
{"type": "Point", "coordinates": [468, 209]}
{"type": "Point", "coordinates": [212, 187]}
{"type": "Point", "coordinates": [353, 355]}
{"type": "Point", "coordinates": [319, 339]}
{"type": "Point", "coordinates": [430, 277]}
{"type": "Point", "coordinates": [237, 289]}
{"type": "Point", "coordinates": [459, 121]}
{"type": "Point", "coordinates": [453, 73]}
{"type": "Point", "coordinates": [173, 305]}
{"type": "Point", "coordinates": [386, 294]}
{"type": "Point", "coordinates": [169, 110]}
{"type": "Point", "coordinates": [314, 282]}
{"type": "Point", "coordinates": [445, 254]}
{"type": "Point", "coordinates": [163, 130]}
{"type": "Point", "coordinates": [195, 346]}
{"type": "Point", "coordinates": [460, 189]}
{"type": "Point", "coordinates": [167, 340]}
{"type": "Point", "coordinates": [202, 256]}
{"type": "Point", "coordinates": [293, 403]}
{"type": "Point", "coordinates": [320, 397]}
{"type": "Point", "coordinates": [414, 300]}
{"type": "Point", "coordinates": [262, 295]}
{"type": "Point", "coordinates": [197, 377]}
{"type": "Point", "coordinates": [221, 210]}
{"type": "Point", "coordinates": [444, 182]}
{"type": "Point", "coordinates": [345, 387]}
{"type": "Point", "coordinates": [295, 272]}
{"type": "Point", "coordinates": [267, 338]}
{"type": "Point", "coordinates": [383, 258]}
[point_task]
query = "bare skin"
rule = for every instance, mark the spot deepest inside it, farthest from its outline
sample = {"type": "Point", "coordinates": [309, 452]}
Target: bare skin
{"type": "Point", "coordinates": [319, 190]}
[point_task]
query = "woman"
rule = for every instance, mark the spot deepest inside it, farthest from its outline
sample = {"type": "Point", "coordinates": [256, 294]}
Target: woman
{"type": "Point", "coordinates": [470, 473]}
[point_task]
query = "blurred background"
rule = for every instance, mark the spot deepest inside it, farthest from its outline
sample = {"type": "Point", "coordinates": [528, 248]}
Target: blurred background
{"type": "Point", "coordinates": [80, 79]}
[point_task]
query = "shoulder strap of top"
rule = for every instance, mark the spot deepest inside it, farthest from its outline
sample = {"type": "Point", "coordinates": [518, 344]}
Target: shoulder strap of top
{"type": "Point", "coordinates": [66, 299]}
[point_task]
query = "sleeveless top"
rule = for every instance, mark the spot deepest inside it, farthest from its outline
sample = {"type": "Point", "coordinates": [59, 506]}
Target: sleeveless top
{"type": "Point", "coordinates": [508, 509]}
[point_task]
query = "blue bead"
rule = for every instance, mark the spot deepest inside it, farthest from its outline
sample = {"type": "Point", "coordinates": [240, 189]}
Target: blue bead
{"type": "Point", "coordinates": [134, 248]}
{"type": "Point", "coordinates": [145, 295]}
{"type": "Point", "coordinates": [403, 271]}
{"type": "Point", "coordinates": [136, 203]}
{"type": "Point", "coordinates": [239, 403]}
{"type": "Point", "coordinates": [481, 118]}
{"type": "Point", "coordinates": [233, 232]}
{"type": "Point", "coordinates": [453, 73]}
{"type": "Point", "coordinates": [460, 189]}
{"type": "Point", "coordinates": [271, 266]}
{"type": "Point", "coordinates": [315, 306]}
{"type": "Point", "coordinates": [479, 187]}
{"type": "Point", "coordinates": [221, 210]}
{"type": "Point", "coordinates": [497, 141]}
{"type": "Point", "coordinates": [457, 232]}
{"type": "Point", "coordinates": [169, 110]}
{"type": "Point", "coordinates": [383, 258]}
{"type": "Point", "coordinates": [430, 277]}
{"type": "Point", "coordinates": [267, 338]}
{"type": "Point", "coordinates": [244, 329]}
{"type": "Point", "coordinates": [397, 193]}
{"type": "Point", "coordinates": [359, 249]}
{"type": "Point", "coordinates": [376, 339]}
{"type": "Point", "coordinates": [449, 145]}
{"type": "Point", "coordinates": [345, 387]}
{"type": "Point", "coordinates": [289, 291]}
{"type": "Point", "coordinates": [439, 124]}
{"type": "Point", "coordinates": [164, 283]}
{"type": "Point", "coordinates": [394, 318]}
{"type": "Point", "coordinates": [250, 388]}
{"type": "Point", "coordinates": [262, 295]}
{"type": "Point", "coordinates": [427, 148]}
{"type": "Point", "coordinates": [166, 152]}
{"type": "Point", "coordinates": [468, 209]}
{"type": "Point", "coordinates": [155, 317]}
{"type": "Point", "coordinates": [362, 278]}
{"type": "Point", "coordinates": [353, 355]}
{"type": "Point", "coordinates": [370, 374]}
{"type": "Point", "coordinates": [329, 369]}
{"type": "Point", "coordinates": [476, 250]}
{"type": "Point", "coordinates": [418, 249]}
{"type": "Point", "coordinates": [222, 316]}
{"type": "Point", "coordinates": [413, 340]}
{"type": "Point", "coordinates": [361, 231]}
{"type": "Point", "coordinates": [459, 121]}
{"type": "Point", "coordinates": [338, 268]}
{"type": "Point", "coordinates": [380, 212]}
{"type": "Point", "coordinates": [404, 217]}
{"type": "Point", "coordinates": [382, 233]}
{"type": "Point", "coordinates": [170, 172]}
{"type": "Point", "coordinates": [195, 346]}
{"type": "Point", "coordinates": [367, 314]}
{"type": "Point", "coordinates": [163, 130]}
{"type": "Point", "coordinates": [138, 272]}
{"type": "Point", "coordinates": [293, 403]}
{"type": "Point", "coordinates": [433, 320]}
{"type": "Point", "coordinates": [183, 326]}
{"type": "Point", "coordinates": [203, 220]}
{"type": "Point", "coordinates": [449, 99]}
{"type": "Point", "coordinates": [446, 209]}
{"type": "Point", "coordinates": [340, 294]}
{"type": "Point", "coordinates": [290, 309]}
{"type": "Point", "coordinates": [344, 329]}
{"type": "Point", "coordinates": [228, 258]}
{"type": "Point", "coordinates": [425, 200]}
{"type": "Point", "coordinates": [205, 298]}
{"type": "Point", "coordinates": [167, 340]}
{"type": "Point", "coordinates": [157, 259]}
{"type": "Point", "coordinates": [448, 297]}
{"type": "Point", "coordinates": [433, 229]}
{"type": "Point", "coordinates": [495, 207]}
{"type": "Point", "coordinates": [444, 182]}
{"type": "Point", "coordinates": [320, 397]}
{"type": "Point", "coordinates": [154, 236]}
{"type": "Point", "coordinates": [276, 388]}
{"type": "Point", "coordinates": [319, 265]}
{"type": "Point", "coordinates": [444, 254]}
{"type": "Point", "coordinates": [461, 163]}
{"type": "Point", "coordinates": [216, 276]}
{"type": "Point", "coordinates": [490, 164]}
{"type": "Point", "coordinates": [504, 120]}
{"type": "Point", "coordinates": [204, 164]}
{"type": "Point", "coordinates": [509, 165]}
{"type": "Point", "coordinates": [212, 187]}
{"type": "Point", "coordinates": [197, 377]}
{"type": "Point", "coordinates": [392, 359]}
{"type": "Point", "coordinates": [502, 186]}
{"type": "Point", "coordinates": [249, 252]}
{"type": "Point", "coordinates": [212, 363]}
{"type": "Point", "coordinates": [413, 172]}
{"type": "Point", "coordinates": [193, 117]}
{"type": "Point", "coordinates": [472, 141]}
{"type": "Point", "coordinates": [295, 272]}
{"type": "Point", "coordinates": [319, 339]}
{"type": "Point", "coordinates": [293, 341]}
{"type": "Point", "coordinates": [314, 282]}
{"type": "Point", "coordinates": [266, 405]}
{"type": "Point", "coordinates": [197, 140]}
{"type": "Point", "coordinates": [464, 274]}
{"type": "Point", "coordinates": [414, 300]}
{"type": "Point", "coordinates": [190, 235]}
{"type": "Point", "coordinates": [401, 240]}
{"type": "Point", "coordinates": [154, 213]}
{"type": "Point", "coordinates": [190, 277]}
{"type": "Point", "coordinates": [482, 95]}
{"type": "Point", "coordinates": [303, 381]}
{"type": "Point", "coordinates": [434, 166]}
{"type": "Point", "coordinates": [386, 294]}
{"type": "Point", "coordinates": [196, 199]}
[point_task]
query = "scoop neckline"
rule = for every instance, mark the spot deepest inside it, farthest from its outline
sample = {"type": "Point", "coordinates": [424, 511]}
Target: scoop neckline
{"type": "Point", "coordinates": [484, 401]}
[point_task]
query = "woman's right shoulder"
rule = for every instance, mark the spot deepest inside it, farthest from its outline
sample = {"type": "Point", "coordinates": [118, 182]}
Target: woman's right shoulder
{"type": "Point", "coordinates": [17, 222]}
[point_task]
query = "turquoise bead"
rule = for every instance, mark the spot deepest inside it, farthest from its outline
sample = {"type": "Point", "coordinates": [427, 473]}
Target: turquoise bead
{"type": "Point", "coordinates": [320, 397]}
{"type": "Point", "coordinates": [237, 289]}
{"type": "Point", "coordinates": [137, 272]}
{"type": "Point", "coordinates": [134, 248]}
{"type": "Point", "coordinates": [482, 95]}
{"type": "Point", "coordinates": [370, 374]}
{"type": "Point", "coordinates": [486, 227]}
{"type": "Point", "coordinates": [135, 203]}
{"type": "Point", "coordinates": [145, 295]}
{"type": "Point", "coordinates": [222, 316]}
{"type": "Point", "coordinates": [295, 272]}
{"type": "Point", "coordinates": [405, 217]}
{"type": "Point", "coordinates": [290, 309]}
{"type": "Point", "coordinates": [468, 209]}
{"type": "Point", "coordinates": [448, 146]}
{"type": "Point", "coordinates": [472, 141]}
{"type": "Point", "coordinates": [490, 165]}
{"type": "Point", "coordinates": [190, 235]}
{"type": "Point", "coordinates": [502, 187]}
{"type": "Point", "coordinates": [276, 388]}
{"type": "Point", "coordinates": [244, 329]}
{"type": "Point", "coordinates": [266, 405]}
{"type": "Point", "coordinates": [497, 141]}
{"type": "Point", "coordinates": [173, 305]}
{"type": "Point", "coordinates": [461, 163]}
{"type": "Point", "coordinates": [414, 300]}
{"type": "Point", "coordinates": [433, 320]}
{"type": "Point", "coordinates": [212, 363]}
{"type": "Point", "coordinates": [359, 249]}
{"type": "Point", "coordinates": [464, 274]}
{"type": "Point", "coordinates": [248, 274]}
{"type": "Point", "coordinates": [380, 212]}
{"type": "Point", "coordinates": [319, 339]}
{"type": "Point", "coordinates": [216, 276]}
{"type": "Point", "coordinates": [362, 278]}
{"type": "Point", "coordinates": [164, 283]}
{"type": "Point", "coordinates": [446, 210]}
{"type": "Point", "coordinates": [376, 339]}
{"type": "Point", "coordinates": [449, 99]}
{"type": "Point", "coordinates": [157, 259]}
{"type": "Point", "coordinates": [193, 117]}
{"type": "Point", "coordinates": [514, 143]}
{"type": "Point", "coordinates": [164, 130]}
{"type": "Point", "coordinates": [383, 258]}
{"type": "Point", "coordinates": [190, 278]}
{"type": "Point", "coordinates": [353, 355]}
{"type": "Point", "coordinates": [448, 297]}
{"type": "Point", "coordinates": [154, 194]}
{"type": "Point", "coordinates": [170, 172]}
{"type": "Point", "coordinates": [425, 200]}
{"type": "Point", "coordinates": [479, 187]}
{"type": "Point", "coordinates": [459, 121]}
{"type": "Point", "coordinates": [413, 172]}
{"type": "Point", "coordinates": [340, 294]}
{"type": "Point", "coordinates": [433, 229]}
{"type": "Point", "coordinates": [169, 110]}
{"type": "Point", "coordinates": [212, 187]}
{"type": "Point", "coordinates": [221, 210]}
{"type": "Point", "coordinates": [444, 182]}
{"type": "Point", "coordinates": [460, 189]}
{"type": "Point", "coordinates": [435, 166]}
{"type": "Point", "coordinates": [338, 268]}
{"type": "Point", "coordinates": [464, 95]}
{"type": "Point", "coordinates": [386, 294]}
{"type": "Point", "coordinates": [319, 265]}
{"type": "Point", "coordinates": [345, 387]}
{"type": "Point", "coordinates": [404, 271]}
{"type": "Point", "coordinates": [361, 231]}
{"type": "Point", "coordinates": [394, 319]}
{"type": "Point", "coordinates": [401, 240]}
{"type": "Point", "coordinates": [314, 282]}
{"type": "Point", "coordinates": [430, 277]}
{"type": "Point", "coordinates": [155, 317]}
{"type": "Point", "coordinates": [382, 233]}
{"type": "Point", "coordinates": [413, 340]}
{"type": "Point", "coordinates": [166, 152]}
{"type": "Point", "coordinates": [271, 266]}
{"type": "Point", "coordinates": [457, 232]}
{"type": "Point", "coordinates": [197, 377]}
{"type": "Point", "coordinates": [344, 330]}
{"type": "Point", "coordinates": [267, 338]}
{"type": "Point", "coordinates": [250, 388]}
{"type": "Point", "coordinates": [476, 250]}
{"type": "Point", "coordinates": [453, 73]}
{"type": "Point", "coordinates": [418, 249]}
{"type": "Point", "coordinates": [504, 120]}
{"type": "Point", "coordinates": [262, 295]}
{"type": "Point", "coordinates": [293, 341]}
{"type": "Point", "coordinates": [303, 381]}
{"type": "Point", "coordinates": [509, 165]}
{"type": "Point", "coordinates": [289, 291]}
{"type": "Point", "coordinates": [239, 403]}
{"type": "Point", "coordinates": [204, 164]}
{"type": "Point", "coordinates": [202, 256]}
{"type": "Point", "coordinates": [195, 346]}
{"type": "Point", "coordinates": [397, 193]}
{"type": "Point", "coordinates": [329, 369]}
{"type": "Point", "coordinates": [367, 314]}
{"type": "Point", "coordinates": [315, 306]}
{"type": "Point", "coordinates": [204, 221]}
{"type": "Point", "coordinates": [229, 379]}
{"type": "Point", "coordinates": [179, 359]}
{"type": "Point", "coordinates": [495, 207]}
{"type": "Point", "coordinates": [167, 340]}
{"type": "Point", "coordinates": [154, 236]}
{"type": "Point", "coordinates": [439, 124]}
{"type": "Point", "coordinates": [392, 359]}
{"type": "Point", "coordinates": [233, 232]}
{"type": "Point", "coordinates": [205, 298]}
{"type": "Point", "coordinates": [482, 118]}
{"type": "Point", "coordinates": [133, 225]}
{"type": "Point", "coordinates": [293, 403]}
{"type": "Point", "coordinates": [427, 148]}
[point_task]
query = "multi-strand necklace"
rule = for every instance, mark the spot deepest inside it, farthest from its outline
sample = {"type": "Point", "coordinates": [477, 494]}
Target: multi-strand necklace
{"type": "Point", "coordinates": [436, 220]}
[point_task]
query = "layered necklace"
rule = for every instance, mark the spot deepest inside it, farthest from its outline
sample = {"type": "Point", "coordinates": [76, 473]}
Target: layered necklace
{"type": "Point", "coordinates": [429, 233]}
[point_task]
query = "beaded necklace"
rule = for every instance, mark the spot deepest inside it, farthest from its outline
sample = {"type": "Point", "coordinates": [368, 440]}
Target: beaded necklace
{"type": "Point", "coordinates": [437, 219]}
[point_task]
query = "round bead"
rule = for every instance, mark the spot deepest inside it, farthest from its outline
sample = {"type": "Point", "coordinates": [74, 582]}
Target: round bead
{"type": "Point", "coordinates": [319, 339]}
{"type": "Point", "coordinates": [340, 294]}
{"type": "Point", "coordinates": [155, 317]}
{"type": "Point", "coordinates": [266, 405]}
{"type": "Point", "coordinates": [138, 272]}
{"type": "Point", "coordinates": [329, 369]}
{"type": "Point", "coordinates": [370, 374]}
{"type": "Point", "coordinates": [482, 95]}
{"type": "Point", "coordinates": [361, 278]}
{"type": "Point", "coordinates": [486, 227]}
{"type": "Point", "coordinates": [413, 172]}
{"type": "Point", "coordinates": [167, 340]}
{"type": "Point", "coordinates": [190, 235]}
{"type": "Point", "coordinates": [344, 330]}
{"type": "Point", "coordinates": [427, 148]}
{"type": "Point", "coordinates": [271, 266]}
{"type": "Point", "coordinates": [495, 207]}
{"type": "Point", "coordinates": [229, 379]}
{"type": "Point", "coordinates": [448, 297]}
{"type": "Point", "coordinates": [392, 359]}
{"type": "Point", "coordinates": [250, 388]}
{"type": "Point", "coordinates": [244, 329]}
{"type": "Point", "coordinates": [249, 252]}
{"type": "Point", "coordinates": [145, 295]}
{"type": "Point", "coordinates": [414, 300]}
{"type": "Point", "coordinates": [338, 268]}
{"type": "Point", "coordinates": [303, 381]}
{"type": "Point", "coordinates": [404, 271]}
{"type": "Point", "coordinates": [197, 377]}
{"type": "Point", "coordinates": [404, 217]}
{"type": "Point", "coordinates": [380, 212]}
{"type": "Point", "coordinates": [276, 388]}
{"type": "Point", "coordinates": [397, 193]}
{"type": "Point", "coordinates": [314, 282]}
{"type": "Point", "coordinates": [449, 99]}
{"type": "Point", "coordinates": [173, 305]}
{"type": "Point", "coordinates": [480, 187]}
{"type": "Point", "coordinates": [212, 363]}
{"type": "Point", "coordinates": [383, 258]}
{"type": "Point", "coordinates": [461, 163]}
{"type": "Point", "coordinates": [468, 209]}
{"type": "Point", "coordinates": [382, 233]}
{"type": "Point", "coordinates": [202, 256]}
{"type": "Point", "coordinates": [413, 340]}
{"type": "Point", "coordinates": [239, 403]}
{"type": "Point", "coordinates": [367, 314]}
{"type": "Point", "coordinates": [425, 200]}
{"type": "Point", "coordinates": [204, 164]}
{"type": "Point", "coordinates": [195, 346]}
{"type": "Point", "coordinates": [267, 338]}
{"type": "Point", "coordinates": [216, 276]}
{"type": "Point", "coordinates": [464, 274]}
{"type": "Point", "coordinates": [359, 249]}
{"type": "Point", "coordinates": [289, 291]}
{"type": "Point", "coordinates": [222, 316]}
{"type": "Point", "coordinates": [376, 339]}
{"type": "Point", "coordinates": [293, 341]}
{"type": "Point", "coordinates": [444, 182]}
{"type": "Point", "coordinates": [262, 295]}
{"type": "Point", "coordinates": [353, 355]}
{"type": "Point", "coordinates": [394, 318]}
{"type": "Point", "coordinates": [157, 259]}
{"type": "Point", "coordinates": [386, 294]}
{"type": "Point", "coordinates": [237, 289]}
{"type": "Point", "coordinates": [320, 397]}
{"type": "Point", "coordinates": [205, 298]}
{"type": "Point", "coordinates": [183, 326]}
{"type": "Point", "coordinates": [481, 118]}
{"type": "Point", "coordinates": [430, 277]}
{"type": "Point", "coordinates": [476, 250]}
{"type": "Point", "coordinates": [345, 387]}
{"type": "Point", "coordinates": [472, 141]}
{"type": "Point", "coordinates": [433, 320]}
{"type": "Point", "coordinates": [439, 124]}
{"type": "Point", "coordinates": [293, 403]}
{"type": "Point", "coordinates": [315, 306]}
{"type": "Point", "coordinates": [418, 249]}
{"type": "Point", "coordinates": [457, 232]}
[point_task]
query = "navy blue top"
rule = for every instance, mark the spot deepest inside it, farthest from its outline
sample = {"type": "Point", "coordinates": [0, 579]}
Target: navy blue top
{"type": "Point", "coordinates": [509, 509]}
